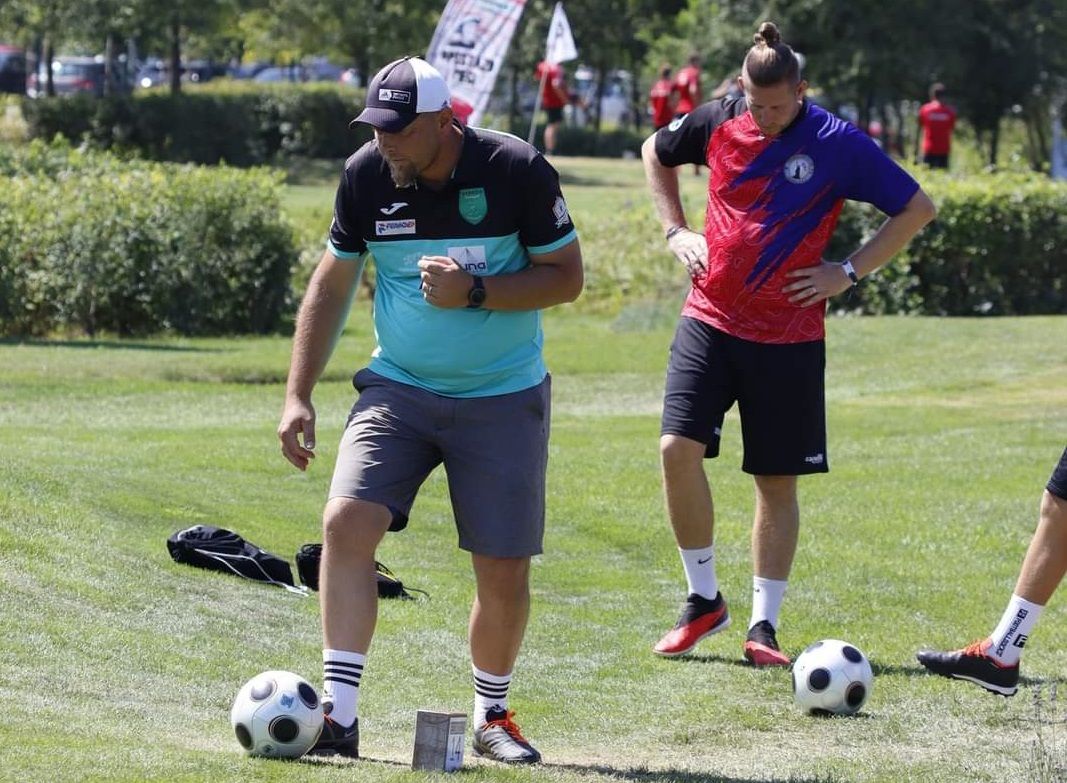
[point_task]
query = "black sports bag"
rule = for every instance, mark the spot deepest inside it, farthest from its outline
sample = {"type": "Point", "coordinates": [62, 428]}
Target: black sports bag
{"type": "Point", "coordinates": [389, 586]}
{"type": "Point", "coordinates": [218, 549]}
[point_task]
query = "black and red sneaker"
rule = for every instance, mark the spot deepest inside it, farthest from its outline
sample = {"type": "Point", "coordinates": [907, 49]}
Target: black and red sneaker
{"type": "Point", "coordinates": [761, 646]}
{"type": "Point", "coordinates": [974, 664]}
{"type": "Point", "coordinates": [701, 617]}
{"type": "Point", "coordinates": [337, 740]}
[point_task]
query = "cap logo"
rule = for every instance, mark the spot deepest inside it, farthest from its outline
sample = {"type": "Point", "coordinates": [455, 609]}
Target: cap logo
{"type": "Point", "coordinates": [395, 96]}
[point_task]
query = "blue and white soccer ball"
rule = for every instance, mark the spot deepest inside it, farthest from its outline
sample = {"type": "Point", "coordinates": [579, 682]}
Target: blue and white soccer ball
{"type": "Point", "coordinates": [277, 714]}
{"type": "Point", "coordinates": [832, 676]}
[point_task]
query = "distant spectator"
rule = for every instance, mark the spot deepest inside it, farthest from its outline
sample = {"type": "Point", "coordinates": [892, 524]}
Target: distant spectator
{"type": "Point", "coordinates": [661, 99]}
{"type": "Point", "coordinates": [730, 87]}
{"type": "Point", "coordinates": [554, 96]}
{"type": "Point", "coordinates": [687, 85]}
{"type": "Point", "coordinates": [937, 120]}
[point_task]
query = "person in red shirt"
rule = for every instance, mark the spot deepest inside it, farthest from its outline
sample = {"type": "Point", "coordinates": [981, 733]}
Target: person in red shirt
{"type": "Point", "coordinates": [661, 99]}
{"type": "Point", "coordinates": [554, 96]}
{"type": "Point", "coordinates": [751, 331]}
{"type": "Point", "coordinates": [937, 120]}
{"type": "Point", "coordinates": [687, 85]}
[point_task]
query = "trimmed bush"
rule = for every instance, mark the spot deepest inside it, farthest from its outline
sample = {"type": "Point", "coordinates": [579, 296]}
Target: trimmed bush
{"type": "Point", "coordinates": [998, 247]}
{"type": "Point", "coordinates": [89, 243]}
{"type": "Point", "coordinates": [239, 123]}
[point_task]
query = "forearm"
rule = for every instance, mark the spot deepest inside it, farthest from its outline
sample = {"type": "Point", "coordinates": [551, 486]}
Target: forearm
{"type": "Point", "coordinates": [894, 234]}
{"type": "Point", "coordinates": [318, 323]}
{"type": "Point", "coordinates": [534, 288]}
{"type": "Point", "coordinates": [663, 184]}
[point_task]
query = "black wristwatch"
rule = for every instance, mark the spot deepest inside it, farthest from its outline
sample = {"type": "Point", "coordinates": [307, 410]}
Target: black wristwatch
{"type": "Point", "coordinates": [476, 296]}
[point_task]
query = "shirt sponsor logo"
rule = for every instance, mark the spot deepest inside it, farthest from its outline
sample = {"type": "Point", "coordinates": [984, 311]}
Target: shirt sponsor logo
{"type": "Point", "coordinates": [394, 96]}
{"type": "Point", "coordinates": [389, 210]}
{"type": "Point", "coordinates": [559, 209]}
{"type": "Point", "coordinates": [470, 257]}
{"type": "Point", "coordinates": [388, 228]}
{"type": "Point", "coordinates": [799, 168]}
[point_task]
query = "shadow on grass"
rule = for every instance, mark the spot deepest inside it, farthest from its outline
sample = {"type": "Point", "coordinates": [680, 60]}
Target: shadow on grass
{"type": "Point", "coordinates": [729, 660]}
{"type": "Point", "coordinates": [129, 345]}
{"type": "Point", "coordinates": [645, 775]}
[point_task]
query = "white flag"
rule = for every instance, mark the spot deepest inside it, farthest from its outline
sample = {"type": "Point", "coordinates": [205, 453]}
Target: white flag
{"type": "Point", "coordinates": [560, 41]}
{"type": "Point", "coordinates": [468, 48]}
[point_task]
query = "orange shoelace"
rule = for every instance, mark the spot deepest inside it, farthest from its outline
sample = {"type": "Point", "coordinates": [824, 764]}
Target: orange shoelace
{"type": "Point", "coordinates": [508, 725]}
{"type": "Point", "coordinates": [977, 649]}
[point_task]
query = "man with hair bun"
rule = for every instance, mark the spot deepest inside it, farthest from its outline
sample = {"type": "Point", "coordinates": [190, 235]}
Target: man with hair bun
{"type": "Point", "coordinates": [752, 330]}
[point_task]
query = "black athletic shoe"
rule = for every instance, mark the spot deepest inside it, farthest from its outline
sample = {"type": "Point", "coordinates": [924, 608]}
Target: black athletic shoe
{"type": "Point", "coordinates": [761, 646]}
{"type": "Point", "coordinates": [499, 739]}
{"type": "Point", "coordinates": [974, 664]}
{"type": "Point", "coordinates": [336, 740]}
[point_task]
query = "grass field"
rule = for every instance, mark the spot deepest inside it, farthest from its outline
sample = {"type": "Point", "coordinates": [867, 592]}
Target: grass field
{"type": "Point", "coordinates": [119, 665]}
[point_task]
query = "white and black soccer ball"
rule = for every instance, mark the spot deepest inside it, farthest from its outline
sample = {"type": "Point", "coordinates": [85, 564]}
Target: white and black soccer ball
{"type": "Point", "coordinates": [832, 676]}
{"type": "Point", "coordinates": [277, 714]}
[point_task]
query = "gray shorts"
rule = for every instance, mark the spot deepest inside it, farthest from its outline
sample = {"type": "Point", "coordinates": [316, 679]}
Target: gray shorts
{"type": "Point", "coordinates": [494, 449]}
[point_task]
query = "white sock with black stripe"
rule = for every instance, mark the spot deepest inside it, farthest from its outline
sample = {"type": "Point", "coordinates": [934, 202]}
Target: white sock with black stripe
{"type": "Point", "coordinates": [342, 671]}
{"type": "Point", "coordinates": [490, 693]}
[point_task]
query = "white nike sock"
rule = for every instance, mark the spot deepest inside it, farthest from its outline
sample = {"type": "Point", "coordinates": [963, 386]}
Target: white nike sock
{"type": "Point", "coordinates": [767, 595]}
{"type": "Point", "coordinates": [490, 693]}
{"type": "Point", "coordinates": [342, 671]}
{"type": "Point", "coordinates": [699, 565]}
{"type": "Point", "coordinates": [1011, 633]}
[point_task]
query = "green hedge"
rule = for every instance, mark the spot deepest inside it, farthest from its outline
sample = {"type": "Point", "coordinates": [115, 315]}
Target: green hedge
{"type": "Point", "coordinates": [239, 123]}
{"type": "Point", "coordinates": [91, 244]}
{"type": "Point", "coordinates": [998, 247]}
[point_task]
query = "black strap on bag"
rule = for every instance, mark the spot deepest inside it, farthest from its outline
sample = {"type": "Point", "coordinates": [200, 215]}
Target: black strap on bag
{"type": "Point", "coordinates": [389, 586]}
{"type": "Point", "coordinates": [218, 549]}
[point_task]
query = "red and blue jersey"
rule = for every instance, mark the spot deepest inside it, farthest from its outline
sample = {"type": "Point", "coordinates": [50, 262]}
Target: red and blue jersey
{"type": "Point", "coordinates": [773, 203]}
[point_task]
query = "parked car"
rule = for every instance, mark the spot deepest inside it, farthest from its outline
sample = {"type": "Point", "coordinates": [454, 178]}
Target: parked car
{"type": "Point", "coordinates": [278, 73]}
{"type": "Point", "coordinates": [615, 108]}
{"type": "Point", "coordinates": [77, 74]}
{"type": "Point", "coordinates": [156, 72]}
{"type": "Point", "coordinates": [12, 69]}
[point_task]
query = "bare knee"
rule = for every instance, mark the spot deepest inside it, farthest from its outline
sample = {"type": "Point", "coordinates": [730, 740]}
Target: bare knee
{"type": "Point", "coordinates": [354, 527]}
{"type": "Point", "coordinates": [679, 454]}
{"type": "Point", "coordinates": [502, 579]}
{"type": "Point", "coordinates": [780, 489]}
{"type": "Point", "coordinates": [1053, 509]}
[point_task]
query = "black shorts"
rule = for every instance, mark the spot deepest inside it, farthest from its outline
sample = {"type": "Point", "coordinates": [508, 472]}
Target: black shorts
{"type": "Point", "coordinates": [554, 115]}
{"type": "Point", "coordinates": [936, 161]}
{"type": "Point", "coordinates": [779, 390]}
{"type": "Point", "coordinates": [1057, 485]}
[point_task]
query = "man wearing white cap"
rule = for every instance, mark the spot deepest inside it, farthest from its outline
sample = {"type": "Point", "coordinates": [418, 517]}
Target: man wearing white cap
{"type": "Point", "coordinates": [471, 238]}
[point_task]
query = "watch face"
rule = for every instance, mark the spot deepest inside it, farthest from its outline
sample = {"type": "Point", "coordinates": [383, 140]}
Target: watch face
{"type": "Point", "coordinates": [476, 296]}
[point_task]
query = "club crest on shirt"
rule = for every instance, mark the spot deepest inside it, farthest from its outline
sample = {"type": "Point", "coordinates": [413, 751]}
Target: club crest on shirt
{"type": "Point", "coordinates": [473, 206]}
{"type": "Point", "coordinates": [676, 123]}
{"type": "Point", "coordinates": [559, 209]}
{"type": "Point", "coordinates": [798, 169]}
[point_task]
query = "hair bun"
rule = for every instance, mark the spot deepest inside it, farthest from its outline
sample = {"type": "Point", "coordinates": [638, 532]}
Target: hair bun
{"type": "Point", "coordinates": [768, 34]}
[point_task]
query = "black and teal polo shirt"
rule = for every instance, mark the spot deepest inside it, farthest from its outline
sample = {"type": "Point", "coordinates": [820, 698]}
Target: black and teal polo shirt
{"type": "Point", "coordinates": [502, 204]}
